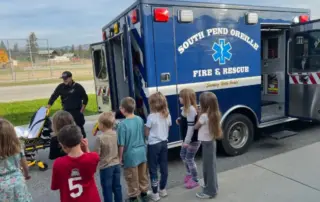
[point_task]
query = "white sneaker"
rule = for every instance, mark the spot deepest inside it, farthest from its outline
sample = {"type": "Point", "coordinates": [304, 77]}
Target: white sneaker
{"type": "Point", "coordinates": [163, 193]}
{"type": "Point", "coordinates": [155, 197]}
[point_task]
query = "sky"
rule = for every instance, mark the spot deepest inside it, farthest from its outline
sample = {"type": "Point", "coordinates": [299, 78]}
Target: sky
{"type": "Point", "coordinates": [66, 22]}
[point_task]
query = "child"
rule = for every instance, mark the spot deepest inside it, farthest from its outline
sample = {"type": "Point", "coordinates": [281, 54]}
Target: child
{"type": "Point", "coordinates": [132, 150]}
{"type": "Point", "coordinates": [190, 144]}
{"type": "Point", "coordinates": [107, 147]}
{"type": "Point", "coordinates": [157, 131]}
{"type": "Point", "coordinates": [209, 130]}
{"type": "Point", "coordinates": [73, 175]}
{"type": "Point", "coordinates": [12, 182]}
{"type": "Point", "coordinates": [60, 119]}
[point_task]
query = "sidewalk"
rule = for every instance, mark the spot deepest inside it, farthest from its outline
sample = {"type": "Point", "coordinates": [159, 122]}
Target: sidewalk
{"type": "Point", "coordinates": [288, 177]}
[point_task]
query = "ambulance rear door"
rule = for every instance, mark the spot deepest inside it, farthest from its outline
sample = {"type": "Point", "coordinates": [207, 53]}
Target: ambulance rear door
{"type": "Point", "coordinates": [303, 71]}
{"type": "Point", "coordinates": [103, 76]}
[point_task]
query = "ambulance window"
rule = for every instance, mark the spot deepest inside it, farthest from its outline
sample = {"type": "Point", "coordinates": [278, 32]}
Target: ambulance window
{"type": "Point", "coordinates": [307, 52]}
{"type": "Point", "coordinates": [100, 64]}
{"type": "Point", "coordinates": [273, 44]}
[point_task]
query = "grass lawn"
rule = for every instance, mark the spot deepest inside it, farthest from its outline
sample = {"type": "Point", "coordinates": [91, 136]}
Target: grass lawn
{"type": "Point", "coordinates": [43, 81]}
{"type": "Point", "coordinates": [20, 113]}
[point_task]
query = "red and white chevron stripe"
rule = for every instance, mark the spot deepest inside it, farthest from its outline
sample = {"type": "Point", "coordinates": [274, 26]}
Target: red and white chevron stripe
{"type": "Point", "coordinates": [312, 78]}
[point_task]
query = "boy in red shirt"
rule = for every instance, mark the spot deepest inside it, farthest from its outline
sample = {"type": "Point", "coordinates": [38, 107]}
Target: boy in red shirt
{"type": "Point", "coordinates": [73, 175]}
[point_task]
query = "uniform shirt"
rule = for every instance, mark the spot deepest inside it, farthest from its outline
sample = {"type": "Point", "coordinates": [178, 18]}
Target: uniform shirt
{"type": "Point", "coordinates": [204, 133]}
{"type": "Point", "coordinates": [72, 96]}
{"type": "Point", "coordinates": [131, 136]}
{"type": "Point", "coordinates": [107, 147]}
{"type": "Point", "coordinates": [187, 122]}
{"type": "Point", "coordinates": [74, 178]}
{"type": "Point", "coordinates": [159, 128]}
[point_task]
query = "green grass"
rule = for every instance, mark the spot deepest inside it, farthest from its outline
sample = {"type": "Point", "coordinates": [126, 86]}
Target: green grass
{"type": "Point", "coordinates": [20, 113]}
{"type": "Point", "coordinates": [43, 81]}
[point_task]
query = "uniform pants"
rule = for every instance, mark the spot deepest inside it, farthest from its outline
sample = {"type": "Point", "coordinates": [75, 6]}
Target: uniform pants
{"type": "Point", "coordinates": [79, 119]}
{"type": "Point", "coordinates": [209, 160]}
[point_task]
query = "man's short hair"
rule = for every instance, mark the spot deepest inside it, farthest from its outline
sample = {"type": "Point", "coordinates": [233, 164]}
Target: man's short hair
{"type": "Point", "coordinates": [107, 119]}
{"type": "Point", "coordinates": [128, 104]}
{"type": "Point", "coordinates": [70, 136]}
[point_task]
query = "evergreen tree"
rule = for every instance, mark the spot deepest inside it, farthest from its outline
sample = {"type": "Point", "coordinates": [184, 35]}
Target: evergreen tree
{"type": "Point", "coordinates": [32, 46]}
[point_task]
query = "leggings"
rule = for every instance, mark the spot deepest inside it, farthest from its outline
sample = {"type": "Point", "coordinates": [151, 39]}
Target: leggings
{"type": "Point", "coordinates": [187, 155]}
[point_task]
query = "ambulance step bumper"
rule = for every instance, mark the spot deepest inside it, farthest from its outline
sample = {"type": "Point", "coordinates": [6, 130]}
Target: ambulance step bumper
{"type": "Point", "coordinates": [282, 134]}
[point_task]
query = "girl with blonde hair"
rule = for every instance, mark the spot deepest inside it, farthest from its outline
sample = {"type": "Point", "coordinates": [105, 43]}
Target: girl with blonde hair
{"type": "Point", "coordinates": [12, 181]}
{"type": "Point", "coordinates": [190, 144]}
{"type": "Point", "coordinates": [157, 131]}
{"type": "Point", "coordinates": [209, 131]}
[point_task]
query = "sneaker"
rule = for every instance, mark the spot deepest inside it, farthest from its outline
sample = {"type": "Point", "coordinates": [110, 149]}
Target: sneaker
{"type": "Point", "coordinates": [155, 197]}
{"type": "Point", "coordinates": [145, 198]}
{"type": "Point", "coordinates": [163, 193]}
{"type": "Point", "coordinates": [202, 195]}
{"type": "Point", "coordinates": [191, 184]}
{"type": "Point", "coordinates": [187, 178]}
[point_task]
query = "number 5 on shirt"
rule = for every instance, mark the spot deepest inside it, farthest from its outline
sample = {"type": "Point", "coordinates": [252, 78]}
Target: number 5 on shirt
{"type": "Point", "coordinates": [73, 187]}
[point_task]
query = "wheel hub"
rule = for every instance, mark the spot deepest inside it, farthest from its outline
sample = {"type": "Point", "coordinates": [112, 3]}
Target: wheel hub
{"type": "Point", "coordinates": [238, 135]}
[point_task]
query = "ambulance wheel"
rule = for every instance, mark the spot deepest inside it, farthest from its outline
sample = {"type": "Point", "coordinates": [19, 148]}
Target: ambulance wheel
{"type": "Point", "coordinates": [238, 133]}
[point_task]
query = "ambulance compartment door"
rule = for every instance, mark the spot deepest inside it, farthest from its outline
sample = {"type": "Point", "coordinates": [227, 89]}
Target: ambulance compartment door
{"type": "Point", "coordinates": [303, 70]}
{"type": "Point", "coordinates": [101, 74]}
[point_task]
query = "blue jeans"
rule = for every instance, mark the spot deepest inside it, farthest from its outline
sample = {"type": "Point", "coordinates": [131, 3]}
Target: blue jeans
{"type": "Point", "coordinates": [158, 156]}
{"type": "Point", "coordinates": [110, 183]}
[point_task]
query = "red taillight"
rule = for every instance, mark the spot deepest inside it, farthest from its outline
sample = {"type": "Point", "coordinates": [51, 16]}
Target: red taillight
{"type": "Point", "coordinates": [303, 18]}
{"type": "Point", "coordinates": [134, 16]}
{"type": "Point", "coordinates": [104, 35]}
{"type": "Point", "coordinates": [161, 15]}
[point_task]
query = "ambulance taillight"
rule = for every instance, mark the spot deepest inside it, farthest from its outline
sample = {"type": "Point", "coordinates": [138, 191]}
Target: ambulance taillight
{"type": "Point", "coordinates": [161, 15]}
{"type": "Point", "coordinates": [134, 16]}
{"type": "Point", "coordinates": [104, 35]}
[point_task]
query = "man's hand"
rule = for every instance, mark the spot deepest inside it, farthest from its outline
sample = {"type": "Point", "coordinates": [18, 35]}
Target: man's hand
{"type": "Point", "coordinates": [83, 108]}
{"type": "Point", "coordinates": [48, 106]}
{"type": "Point", "coordinates": [185, 145]}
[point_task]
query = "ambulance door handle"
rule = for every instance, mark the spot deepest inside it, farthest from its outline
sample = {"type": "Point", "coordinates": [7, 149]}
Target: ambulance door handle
{"type": "Point", "coordinates": [165, 77]}
{"type": "Point", "coordinates": [288, 56]}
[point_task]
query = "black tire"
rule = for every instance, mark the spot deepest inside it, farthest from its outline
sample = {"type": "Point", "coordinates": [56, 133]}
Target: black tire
{"type": "Point", "coordinates": [227, 147]}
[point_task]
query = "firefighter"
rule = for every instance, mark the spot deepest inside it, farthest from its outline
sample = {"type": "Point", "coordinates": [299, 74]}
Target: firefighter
{"type": "Point", "coordinates": [73, 98]}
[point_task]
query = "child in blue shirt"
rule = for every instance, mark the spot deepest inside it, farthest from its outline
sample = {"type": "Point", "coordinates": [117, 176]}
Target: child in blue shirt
{"type": "Point", "coordinates": [132, 151]}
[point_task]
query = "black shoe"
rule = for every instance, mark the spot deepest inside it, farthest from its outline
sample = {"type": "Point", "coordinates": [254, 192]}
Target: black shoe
{"type": "Point", "coordinates": [144, 197]}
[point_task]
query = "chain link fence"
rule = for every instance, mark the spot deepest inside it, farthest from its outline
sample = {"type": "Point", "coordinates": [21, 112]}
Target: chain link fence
{"type": "Point", "coordinates": [26, 60]}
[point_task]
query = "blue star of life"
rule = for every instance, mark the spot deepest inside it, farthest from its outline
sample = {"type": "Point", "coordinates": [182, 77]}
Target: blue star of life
{"type": "Point", "coordinates": [222, 51]}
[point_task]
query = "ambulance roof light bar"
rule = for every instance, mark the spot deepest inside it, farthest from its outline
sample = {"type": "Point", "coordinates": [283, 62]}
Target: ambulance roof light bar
{"type": "Point", "coordinates": [161, 15]}
{"type": "Point", "coordinates": [300, 19]}
{"type": "Point", "coordinates": [252, 18]}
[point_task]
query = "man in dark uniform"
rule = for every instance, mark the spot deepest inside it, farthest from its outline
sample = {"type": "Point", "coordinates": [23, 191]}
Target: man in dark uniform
{"type": "Point", "coordinates": [73, 98]}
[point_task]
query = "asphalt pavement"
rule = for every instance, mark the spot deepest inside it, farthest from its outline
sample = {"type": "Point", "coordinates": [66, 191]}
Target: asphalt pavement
{"type": "Point", "coordinates": [31, 92]}
{"type": "Point", "coordinates": [263, 148]}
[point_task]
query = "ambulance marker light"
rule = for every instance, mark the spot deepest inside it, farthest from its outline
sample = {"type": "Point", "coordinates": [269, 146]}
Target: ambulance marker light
{"type": "Point", "coordinates": [134, 16]}
{"type": "Point", "coordinates": [161, 15]}
{"type": "Point", "coordinates": [252, 18]}
{"type": "Point", "coordinates": [303, 18]}
{"type": "Point", "coordinates": [104, 35]}
{"type": "Point", "coordinates": [116, 28]}
{"type": "Point", "coordinates": [185, 16]}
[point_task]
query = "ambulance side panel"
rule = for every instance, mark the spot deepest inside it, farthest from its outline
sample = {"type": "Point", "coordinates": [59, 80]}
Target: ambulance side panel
{"type": "Point", "coordinates": [233, 74]}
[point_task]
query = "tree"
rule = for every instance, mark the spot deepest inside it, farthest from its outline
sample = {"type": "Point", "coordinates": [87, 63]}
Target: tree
{"type": "Point", "coordinates": [3, 46]}
{"type": "Point", "coordinates": [72, 49]}
{"type": "Point", "coordinates": [15, 48]}
{"type": "Point", "coordinates": [32, 46]}
{"type": "Point", "coordinates": [80, 51]}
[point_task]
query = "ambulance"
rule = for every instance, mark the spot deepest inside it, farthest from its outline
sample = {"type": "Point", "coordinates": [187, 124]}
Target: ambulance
{"type": "Point", "coordinates": [262, 63]}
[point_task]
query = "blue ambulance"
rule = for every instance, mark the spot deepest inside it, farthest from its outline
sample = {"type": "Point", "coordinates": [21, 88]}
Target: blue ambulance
{"type": "Point", "coordinates": [262, 62]}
